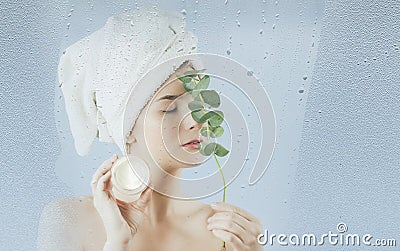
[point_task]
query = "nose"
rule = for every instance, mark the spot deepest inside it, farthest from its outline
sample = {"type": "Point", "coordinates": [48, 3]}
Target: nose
{"type": "Point", "coordinates": [189, 123]}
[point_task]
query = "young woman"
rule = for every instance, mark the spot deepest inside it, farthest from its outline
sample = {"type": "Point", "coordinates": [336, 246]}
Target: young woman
{"type": "Point", "coordinates": [155, 221]}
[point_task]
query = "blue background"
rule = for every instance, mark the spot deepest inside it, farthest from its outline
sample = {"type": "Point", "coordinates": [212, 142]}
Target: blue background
{"type": "Point", "coordinates": [331, 70]}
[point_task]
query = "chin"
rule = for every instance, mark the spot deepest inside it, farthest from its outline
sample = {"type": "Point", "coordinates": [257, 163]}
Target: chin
{"type": "Point", "coordinates": [185, 160]}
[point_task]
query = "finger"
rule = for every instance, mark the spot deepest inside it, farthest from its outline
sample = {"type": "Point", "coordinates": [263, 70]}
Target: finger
{"type": "Point", "coordinates": [230, 227]}
{"type": "Point", "coordinates": [222, 206]}
{"type": "Point", "coordinates": [144, 199]}
{"type": "Point", "coordinates": [229, 238]}
{"type": "Point", "coordinates": [250, 229]}
{"type": "Point", "coordinates": [231, 216]}
{"type": "Point", "coordinates": [101, 185]}
{"type": "Point", "coordinates": [104, 167]}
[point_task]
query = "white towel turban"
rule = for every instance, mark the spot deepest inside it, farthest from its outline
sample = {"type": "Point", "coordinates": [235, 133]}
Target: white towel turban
{"type": "Point", "coordinates": [106, 72]}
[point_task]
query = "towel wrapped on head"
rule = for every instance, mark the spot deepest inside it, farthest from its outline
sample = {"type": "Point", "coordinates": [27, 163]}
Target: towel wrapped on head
{"type": "Point", "coordinates": [109, 76]}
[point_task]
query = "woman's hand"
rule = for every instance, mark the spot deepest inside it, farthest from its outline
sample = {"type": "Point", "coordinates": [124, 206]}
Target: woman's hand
{"type": "Point", "coordinates": [237, 227]}
{"type": "Point", "coordinates": [121, 220]}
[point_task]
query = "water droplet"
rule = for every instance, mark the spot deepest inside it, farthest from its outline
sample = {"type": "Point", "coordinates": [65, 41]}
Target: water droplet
{"type": "Point", "coordinates": [183, 11]}
{"type": "Point", "coordinates": [301, 91]}
{"type": "Point", "coordinates": [228, 51]}
{"type": "Point", "coordinates": [238, 12]}
{"type": "Point", "coordinates": [273, 26]}
{"type": "Point", "coordinates": [261, 31]}
{"type": "Point", "coordinates": [277, 15]}
{"type": "Point", "coordinates": [226, 2]}
{"type": "Point", "coordinates": [238, 23]}
{"type": "Point", "coordinates": [250, 73]}
{"type": "Point", "coordinates": [243, 186]}
{"type": "Point", "coordinates": [305, 77]}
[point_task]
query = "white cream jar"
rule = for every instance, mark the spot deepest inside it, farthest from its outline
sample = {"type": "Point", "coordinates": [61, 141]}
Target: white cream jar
{"type": "Point", "coordinates": [130, 176]}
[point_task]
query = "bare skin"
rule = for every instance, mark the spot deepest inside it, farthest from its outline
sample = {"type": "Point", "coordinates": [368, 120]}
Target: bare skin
{"type": "Point", "coordinates": [186, 229]}
{"type": "Point", "coordinates": [160, 222]}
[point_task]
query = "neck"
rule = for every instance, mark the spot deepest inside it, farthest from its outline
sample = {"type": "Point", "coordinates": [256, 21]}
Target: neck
{"type": "Point", "coordinates": [166, 186]}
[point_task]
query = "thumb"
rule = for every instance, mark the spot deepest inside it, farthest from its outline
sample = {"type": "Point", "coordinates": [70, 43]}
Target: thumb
{"type": "Point", "coordinates": [144, 199]}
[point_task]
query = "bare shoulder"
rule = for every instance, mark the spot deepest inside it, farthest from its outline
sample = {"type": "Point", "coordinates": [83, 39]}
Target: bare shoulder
{"type": "Point", "coordinates": [62, 222]}
{"type": "Point", "coordinates": [70, 209]}
{"type": "Point", "coordinates": [196, 209]}
{"type": "Point", "coordinates": [195, 225]}
{"type": "Point", "coordinates": [196, 214]}
{"type": "Point", "coordinates": [70, 201]}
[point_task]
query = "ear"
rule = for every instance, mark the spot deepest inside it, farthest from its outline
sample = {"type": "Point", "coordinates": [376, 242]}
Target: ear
{"type": "Point", "coordinates": [131, 138]}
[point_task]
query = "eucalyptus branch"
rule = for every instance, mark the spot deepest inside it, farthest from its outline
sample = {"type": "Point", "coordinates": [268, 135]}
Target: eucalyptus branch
{"type": "Point", "coordinates": [204, 100]}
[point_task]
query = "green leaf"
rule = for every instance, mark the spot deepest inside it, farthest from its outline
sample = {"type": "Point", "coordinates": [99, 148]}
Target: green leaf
{"type": "Point", "coordinates": [193, 73]}
{"type": "Point", "coordinates": [211, 115]}
{"type": "Point", "coordinates": [201, 148]}
{"type": "Point", "coordinates": [196, 115]}
{"type": "Point", "coordinates": [210, 97]}
{"type": "Point", "coordinates": [195, 105]}
{"type": "Point", "coordinates": [184, 79]}
{"type": "Point", "coordinates": [217, 119]}
{"type": "Point", "coordinates": [206, 132]}
{"type": "Point", "coordinates": [209, 148]}
{"type": "Point", "coordinates": [189, 86]}
{"type": "Point", "coordinates": [195, 95]}
{"type": "Point", "coordinates": [217, 131]}
{"type": "Point", "coordinates": [220, 150]}
{"type": "Point", "coordinates": [203, 83]}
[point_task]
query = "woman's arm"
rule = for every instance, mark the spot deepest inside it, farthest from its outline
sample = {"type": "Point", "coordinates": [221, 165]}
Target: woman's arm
{"type": "Point", "coordinates": [58, 227]}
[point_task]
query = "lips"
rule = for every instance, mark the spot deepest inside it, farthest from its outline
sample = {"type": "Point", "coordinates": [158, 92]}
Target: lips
{"type": "Point", "coordinates": [193, 143]}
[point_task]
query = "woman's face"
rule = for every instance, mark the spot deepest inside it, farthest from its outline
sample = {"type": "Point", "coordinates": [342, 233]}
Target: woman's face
{"type": "Point", "coordinates": [165, 125]}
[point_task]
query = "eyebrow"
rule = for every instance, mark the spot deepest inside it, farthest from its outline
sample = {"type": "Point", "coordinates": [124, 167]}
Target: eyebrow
{"type": "Point", "coordinates": [170, 97]}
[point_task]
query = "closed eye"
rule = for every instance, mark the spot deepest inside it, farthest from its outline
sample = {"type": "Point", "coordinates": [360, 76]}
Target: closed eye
{"type": "Point", "coordinates": [169, 110]}
{"type": "Point", "coordinates": [172, 107]}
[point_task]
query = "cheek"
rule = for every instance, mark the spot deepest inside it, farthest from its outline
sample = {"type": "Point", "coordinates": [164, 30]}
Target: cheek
{"type": "Point", "coordinates": [161, 131]}
{"type": "Point", "coordinates": [169, 133]}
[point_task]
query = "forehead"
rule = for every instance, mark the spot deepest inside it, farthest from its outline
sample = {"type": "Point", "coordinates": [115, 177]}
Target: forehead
{"type": "Point", "coordinates": [173, 85]}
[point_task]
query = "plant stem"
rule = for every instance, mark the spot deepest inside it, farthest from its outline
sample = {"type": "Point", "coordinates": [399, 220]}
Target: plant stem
{"type": "Point", "coordinates": [204, 112]}
{"type": "Point", "coordinates": [223, 177]}
{"type": "Point", "coordinates": [224, 195]}
{"type": "Point", "coordinates": [216, 160]}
